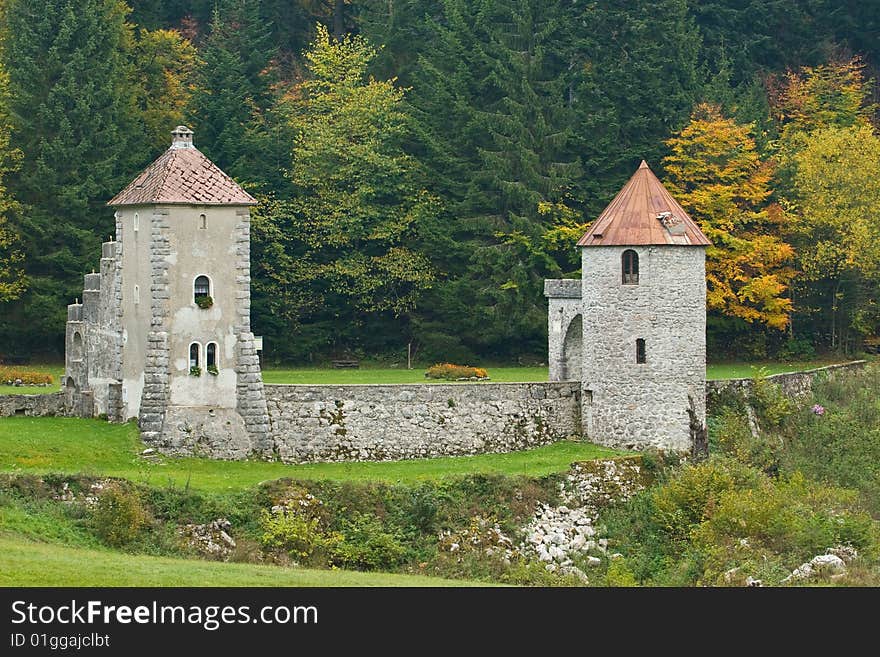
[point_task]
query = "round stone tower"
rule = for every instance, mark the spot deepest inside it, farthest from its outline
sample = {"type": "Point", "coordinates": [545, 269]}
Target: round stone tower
{"type": "Point", "coordinates": [189, 369]}
{"type": "Point", "coordinates": [642, 321]}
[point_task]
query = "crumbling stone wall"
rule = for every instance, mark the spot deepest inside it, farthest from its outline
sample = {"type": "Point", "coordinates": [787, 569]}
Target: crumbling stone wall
{"type": "Point", "coordinates": [387, 422]}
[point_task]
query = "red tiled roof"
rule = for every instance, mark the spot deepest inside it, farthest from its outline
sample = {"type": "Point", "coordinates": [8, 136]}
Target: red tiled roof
{"type": "Point", "coordinates": [643, 213]}
{"type": "Point", "coordinates": [183, 175]}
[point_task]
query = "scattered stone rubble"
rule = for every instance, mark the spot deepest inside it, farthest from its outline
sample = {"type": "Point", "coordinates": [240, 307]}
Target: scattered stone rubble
{"type": "Point", "coordinates": [483, 534]}
{"type": "Point", "coordinates": [90, 498]}
{"type": "Point", "coordinates": [556, 535]}
{"type": "Point", "coordinates": [212, 539]}
{"type": "Point", "coordinates": [831, 564]}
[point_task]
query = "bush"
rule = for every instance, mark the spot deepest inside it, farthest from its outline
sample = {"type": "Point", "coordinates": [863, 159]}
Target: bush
{"type": "Point", "coordinates": [298, 536]}
{"type": "Point", "coordinates": [9, 375]}
{"type": "Point", "coordinates": [841, 446]}
{"type": "Point", "coordinates": [120, 516]}
{"type": "Point", "coordinates": [771, 404]}
{"type": "Point", "coordinates": [786, 522]}
{"type": "Point", "coordinates": [688, 498]}
{"type": "Point", "coordinates": [732, 436]}
{"type": "Point", "coordinates": [366, 545]}
{"type": "Point", "coordinates": [619, 575]}
{"type": "Point", "coordinates": [453, 372]}
{"type": "Point", "coordinates": [797, 349]}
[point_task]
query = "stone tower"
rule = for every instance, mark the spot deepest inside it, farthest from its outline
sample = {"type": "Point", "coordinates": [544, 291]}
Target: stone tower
{"type": "Point", "coordinates": [163, 333]}
{"type": "Point", "coordinates": [633, 329]}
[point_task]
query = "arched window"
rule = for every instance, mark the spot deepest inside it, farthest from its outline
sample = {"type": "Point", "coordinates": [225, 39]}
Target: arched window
{"type": "Point", "coordinates": [640, 351]}
{"type": "Point", "coordinates": [194, 355]}
{"type": "Point", "coordinates": [77, 346]}
{"type": "Point", "coordinates": [211, 355]}
{"type": "Point", "coordinates": [137, 294]}
{"type": "Point", "coordinates": [630, 267]}
{"type": "Point", "coordinates": [137, 222]}
{"type": "Point", "coordinates": [201, 287]}
{"type": "Point", "coordinates": [203, 221]}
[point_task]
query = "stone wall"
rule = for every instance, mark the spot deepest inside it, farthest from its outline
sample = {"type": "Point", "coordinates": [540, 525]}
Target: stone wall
{"type": "Point", "coordinates": [33, 405]}
{"type": "Point", "coordinates": [388, 422]}
{"type": "Point", "coordinates": [793, 384]}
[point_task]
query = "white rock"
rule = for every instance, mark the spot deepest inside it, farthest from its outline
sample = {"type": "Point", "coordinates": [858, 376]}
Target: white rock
{"type": "Point", "coordinates": [593, 561]}
{"type": "Point", "coordinates": [828, 562]}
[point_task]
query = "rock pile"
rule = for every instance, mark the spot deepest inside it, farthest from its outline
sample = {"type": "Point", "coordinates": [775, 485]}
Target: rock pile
{"type": "Point", "coordinates": [484, 535]}
{"type": "Point", "coordinates": [66, 494]}
{"type": "Point", "coordinates": [555, 535]}
{"type": "Point", "coordinates": [212, 539]}
{"type": "Point", "coordinates": [831, 564]}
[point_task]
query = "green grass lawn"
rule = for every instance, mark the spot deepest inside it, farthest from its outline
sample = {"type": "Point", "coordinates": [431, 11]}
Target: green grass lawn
{"type": "Point", "coordinates": [369, 374]}
{"type": "Point", "coordinates": [390, 375]}
{"type": "Point", "coordinates": [40, 445]}
{"type": "Point", "coordinates": [29, 563]}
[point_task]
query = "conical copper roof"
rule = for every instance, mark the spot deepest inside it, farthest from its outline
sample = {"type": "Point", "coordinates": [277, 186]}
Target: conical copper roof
{"type": "Point", "coordinates": [644, 213]}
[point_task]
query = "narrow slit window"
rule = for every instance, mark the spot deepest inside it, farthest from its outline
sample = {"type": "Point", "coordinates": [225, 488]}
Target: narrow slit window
{"type": "Point", "coordinates": [201, 287]}
{"type": "Point", "coordinates": [137, 294]}
{"type": "Point", "coordinates": [630, 267]}
{"type": "Point", "coordinates": [203, 221]}
{"type": "Point", "coordinates": [194, 355]}
{"type": "Point", "coordinates": [640, 351]}
{"type": "Point", "coordinates": [211, 355]}
{"type": "Point", "coordinates": [137, 222]}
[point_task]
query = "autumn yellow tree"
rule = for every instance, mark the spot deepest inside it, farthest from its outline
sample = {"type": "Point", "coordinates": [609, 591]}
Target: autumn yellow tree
{"type": "Point", "coordinates": [836, 197]}
{"type": "Point", "coordinates": [716, 174]}
{"type": "Point", "coordinates": [828, 181]}
{"type": "Point", "coordinates": [165, 65]}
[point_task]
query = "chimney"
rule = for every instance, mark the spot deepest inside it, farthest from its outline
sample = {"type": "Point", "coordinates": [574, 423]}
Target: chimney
{"type": "Point", "coordinates": [182, 137]}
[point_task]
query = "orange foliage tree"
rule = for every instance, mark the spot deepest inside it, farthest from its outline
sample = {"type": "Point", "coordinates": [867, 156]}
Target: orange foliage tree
{"type": "Point", "coordinates": [715, 172]}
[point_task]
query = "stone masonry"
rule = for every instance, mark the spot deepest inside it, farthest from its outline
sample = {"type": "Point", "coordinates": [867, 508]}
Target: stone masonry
{"type": "Point", "coordinates": [387, 422]}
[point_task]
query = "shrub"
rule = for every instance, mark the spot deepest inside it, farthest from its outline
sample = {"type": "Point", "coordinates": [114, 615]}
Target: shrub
{"type": "Point", "coordinates": [204, 302]}
{"type": "Point", "coordinates": [842, 445]}
{"type": "Point", "coordinates": [453, 372]}
{"type": "Point", "coordinates": [298, 536]}
{"type": "Point", "coordinates": [618, 574]}
{"type": "Point", "coordinates": [733, 437]}
{"type": "Point", "coordinates": [120, 516]}
{"type": "Point", "coordinates": [771, 404]}
{"type": "Point", "coordinates": [786, 522]}
{"type": "Point", "coordinates": [366, 545]}
{"type": "Point", "coordinates": [688, 498]}
{"type": "Point", "coordinates": [9, 375]}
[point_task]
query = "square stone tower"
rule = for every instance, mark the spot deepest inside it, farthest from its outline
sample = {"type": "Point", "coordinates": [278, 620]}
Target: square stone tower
{"type": "Point", "coordinates": [633, 329]}
{"type": "Point", "coordinates": [172, 311]}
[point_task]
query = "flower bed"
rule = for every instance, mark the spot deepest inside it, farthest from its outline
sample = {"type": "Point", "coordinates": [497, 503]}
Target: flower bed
{"type": "Point", "coordinates": [21, 376]}
{"type": "Point", "coordinates": [452, 372]}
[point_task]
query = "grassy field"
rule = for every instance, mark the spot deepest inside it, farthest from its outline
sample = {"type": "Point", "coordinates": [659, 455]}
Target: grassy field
{"type": "Point", "coordinates": [29, 563]}
{"type": "Point", "coordinates": [41, 445]}
{"type": "Point", "coordinates": [369, 374]}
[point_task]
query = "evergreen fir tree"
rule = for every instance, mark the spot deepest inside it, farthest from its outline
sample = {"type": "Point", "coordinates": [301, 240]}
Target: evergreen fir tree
{"type": "Point", "coordinates": [637, 81]}
{"type": "Point", "coordinates": [75, 121]}
{"type": "Point", "coordinates": [490, 98]}
{"type": "Point", "coordinates": [234, 93]}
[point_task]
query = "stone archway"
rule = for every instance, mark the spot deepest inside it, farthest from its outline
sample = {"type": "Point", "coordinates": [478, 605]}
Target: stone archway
{"type": "Point", "coordinates": [572, 349]}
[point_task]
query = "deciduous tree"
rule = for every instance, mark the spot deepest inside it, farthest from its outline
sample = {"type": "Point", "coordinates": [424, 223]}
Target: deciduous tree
{"type": "Point", "coordinates": [715, 172]}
